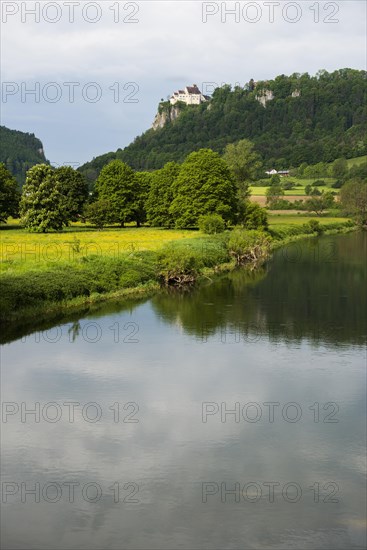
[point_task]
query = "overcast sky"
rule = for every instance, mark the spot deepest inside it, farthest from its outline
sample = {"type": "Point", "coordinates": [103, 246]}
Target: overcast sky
{"type": "Point", "coordinates": [121, 58]}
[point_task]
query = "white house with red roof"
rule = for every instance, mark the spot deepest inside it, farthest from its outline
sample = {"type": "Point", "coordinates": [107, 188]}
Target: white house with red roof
{"type": "Point", "coordinates": [191, 95]}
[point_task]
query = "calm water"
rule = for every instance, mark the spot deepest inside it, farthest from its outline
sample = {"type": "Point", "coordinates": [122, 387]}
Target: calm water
{"type": "Point", "coordinates": [232, 416]}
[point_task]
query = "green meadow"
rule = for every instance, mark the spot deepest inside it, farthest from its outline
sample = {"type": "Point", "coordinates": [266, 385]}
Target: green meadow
{"type": "Point", "coordinates": [298, 190]}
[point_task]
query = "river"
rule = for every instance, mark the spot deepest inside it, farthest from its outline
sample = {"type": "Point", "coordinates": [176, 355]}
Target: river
{"type": "Point", "coordinates": [229, 416]}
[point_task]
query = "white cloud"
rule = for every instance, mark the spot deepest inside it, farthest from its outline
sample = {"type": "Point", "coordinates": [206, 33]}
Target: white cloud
{"type": "Point", "coordinates": [169, 47]}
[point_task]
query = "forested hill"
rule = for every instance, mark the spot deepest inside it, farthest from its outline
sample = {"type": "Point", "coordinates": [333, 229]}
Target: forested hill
{"type": "Point", "coordinates": [310, 119]}
{"type": "Point", "coordinates": [19, 151]}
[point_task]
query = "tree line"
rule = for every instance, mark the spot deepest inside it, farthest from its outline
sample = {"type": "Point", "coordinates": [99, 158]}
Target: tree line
{"type": "Point", "coordinates": [177, 195]}
{"type": "Point", "coordinates": [207, 191]}
{"type": "Point", "coordinates": [20, 151]}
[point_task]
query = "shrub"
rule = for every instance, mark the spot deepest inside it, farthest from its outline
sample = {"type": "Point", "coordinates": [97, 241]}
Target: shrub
{"type": "Point", "coordinates": [275, 179]}
{"type": "Point", "coordinates": [287, 185]}
{"type": "Point", "coordinates": [211, 224]}
{"type": "Point", "coordinates": [255, 217]}
{"type": "Point", "coordinates": [337, 184]}
{"type": "Point", "coordinates": [282, 204]}
{"type": "Point", "coordinates": [249, 246]}
{"type": "Point", "coordinates": [313, 226]}
{"type": "Point", "coordinates": [180, 263]}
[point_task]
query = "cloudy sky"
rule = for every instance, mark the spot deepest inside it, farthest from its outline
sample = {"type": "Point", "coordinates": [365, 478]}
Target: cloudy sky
{"type": "Point", "coordinates": [86, 77]}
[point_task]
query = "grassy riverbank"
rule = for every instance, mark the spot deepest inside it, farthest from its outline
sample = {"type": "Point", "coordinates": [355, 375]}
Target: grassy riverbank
{"type": "Point", "coordinates": [37, 284]}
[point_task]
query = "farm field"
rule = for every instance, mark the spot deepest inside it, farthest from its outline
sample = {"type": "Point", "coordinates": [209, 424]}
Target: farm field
{"type": "Point", "coordinates": [21, 250]}
{"type": "Point", "coordinates": [261, 199]}
{"type": "Point", "coordinates": [298, 191]}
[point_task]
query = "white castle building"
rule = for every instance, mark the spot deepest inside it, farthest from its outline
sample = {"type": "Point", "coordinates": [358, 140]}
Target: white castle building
{"type": "Point", "coordinates": [191, 95]}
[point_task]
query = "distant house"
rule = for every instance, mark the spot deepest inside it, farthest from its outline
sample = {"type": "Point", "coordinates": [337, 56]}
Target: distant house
{"type": "Point", "coordinates": [281, 173]}
{"type": "Point", "coordinates": [191, 95]}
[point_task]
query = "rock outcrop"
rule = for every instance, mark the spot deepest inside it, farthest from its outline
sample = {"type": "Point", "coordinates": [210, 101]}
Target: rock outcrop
{"type": "Point", "coordinates": [164, 115]}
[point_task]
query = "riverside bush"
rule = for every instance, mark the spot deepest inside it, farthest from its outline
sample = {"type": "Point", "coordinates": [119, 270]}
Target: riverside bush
{"type": "Point", "coordinates": [255, 217]}
{"type": "Point", "coordinates": [181, 263]}
{"type": "Point", "coordinates": [211, 224]}
{"type": "Point", "coordinates": [314, 226]}
{"type": "Point", "coordinates": [249, 246]}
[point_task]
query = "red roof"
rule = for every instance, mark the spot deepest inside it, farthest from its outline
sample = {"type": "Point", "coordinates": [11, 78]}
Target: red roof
{"type": "Point", "coordinates": [193, 89]}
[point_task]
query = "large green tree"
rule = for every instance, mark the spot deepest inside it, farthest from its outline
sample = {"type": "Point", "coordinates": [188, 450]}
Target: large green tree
{"type": "Point", "coordinates": [319, 203]}
{"type": "Point", "coordinates": [143, 180]}
{"type": "Point", "coordinates": [118, 185]}
{"type": "Point", "coordinates": [204, 185]}
{"type": "Point", "coordinates": [42, 203]}
{"type": "Point", "coordinates": [353, 198]}
{"type": "Point", "coordinates": [9, 194]}
{"type": "Point", "coordinates": [161, 195]}
{"type": "Point", "coordinates": [244, 163]}
{"type": "Point", "coordinates": [339, 168]}
{"type": "Point", "coordinates": [74, 188]}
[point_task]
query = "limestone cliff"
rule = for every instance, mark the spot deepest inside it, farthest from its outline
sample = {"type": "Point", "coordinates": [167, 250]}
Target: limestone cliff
{"type": "Point", "coordinates": [166, 113]}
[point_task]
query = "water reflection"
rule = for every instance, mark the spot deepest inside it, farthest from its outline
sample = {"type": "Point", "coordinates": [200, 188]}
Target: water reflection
{"type": "Point", "coordinates": [161, 362]}
{"type": "Point", "coordinates": [305, 292]}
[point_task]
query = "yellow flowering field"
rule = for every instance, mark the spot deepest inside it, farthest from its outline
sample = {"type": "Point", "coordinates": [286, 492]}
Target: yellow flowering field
{"type": "Point", "coordinates": [21, 250]}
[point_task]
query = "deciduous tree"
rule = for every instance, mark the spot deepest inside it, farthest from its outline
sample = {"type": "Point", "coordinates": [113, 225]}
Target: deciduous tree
{"type": "Point", "coordinates": [273, 194]}
{"type": "Point", "coordinates": [42, 203]}
{"type": "Point", "coordinates": [319, 203]}
{"type": "Point", "coordinates": [353, 198]}
{"type": "Point", "coordinates": [74, 188]}
{"type": "Point", "coordinates": [244, 163]}
{"type": "Point", "coordinates": [98, 213]}
{"type": "Point", "coordinates": [339, 168]}
{"type": "Point", "coordinates": [143, 180]}
{"type": "Point", "coordinates": [118, 185]}
{"type": "Point", "coordinates": [161, 195]}
{"type": "Point", "coordinates": [204, 185]}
